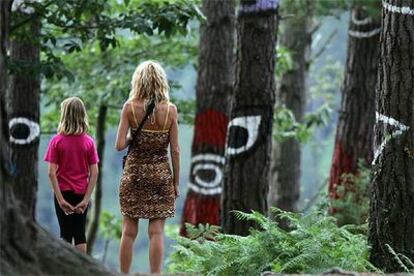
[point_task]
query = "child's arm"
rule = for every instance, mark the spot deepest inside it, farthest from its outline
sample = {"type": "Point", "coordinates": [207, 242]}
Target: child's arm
{"type": "Point", "coordinates": [66, 207]}
{"type": "Point", "coordinates": [81, 207]}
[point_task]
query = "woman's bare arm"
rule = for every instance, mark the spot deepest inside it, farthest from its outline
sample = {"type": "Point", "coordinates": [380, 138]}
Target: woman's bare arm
{"type": "Point", "coordinates": [175, 147]}
{"type": "Point", "coordinates": [121, 137]}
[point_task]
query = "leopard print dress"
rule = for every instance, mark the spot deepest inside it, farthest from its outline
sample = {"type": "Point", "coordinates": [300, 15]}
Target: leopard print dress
{"type": "Point", "coordinates": [146, 189]}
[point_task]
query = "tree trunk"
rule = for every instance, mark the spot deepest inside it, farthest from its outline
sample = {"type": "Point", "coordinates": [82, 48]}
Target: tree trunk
{"type": "Point", "coordinates": [354, 134]}
{"type": "Point", "coordinates": [25, 247]}
{"type": "Point", "coordinates": [249, 141]}
{"type": "Point", "coordinates": [284, 190]}
{"type": "Point", "coordinates": [97, 203]}
{"type": "Point", "coordinates": [392, 204]}
{"type": "Point", "coordinates": [23, 108]}
{"type": "Point", "coordinates": [214, 89]}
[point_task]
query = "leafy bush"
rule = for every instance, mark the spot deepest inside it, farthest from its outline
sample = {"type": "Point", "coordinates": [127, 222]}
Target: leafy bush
{"type": "Point", "coordinates": [352, 204]}
{"type": "Point", "coordinates": [314, 245]}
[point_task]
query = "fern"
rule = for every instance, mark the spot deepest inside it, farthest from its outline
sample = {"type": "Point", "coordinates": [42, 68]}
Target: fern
{"type": "Point", "coordinates": [315, 244]}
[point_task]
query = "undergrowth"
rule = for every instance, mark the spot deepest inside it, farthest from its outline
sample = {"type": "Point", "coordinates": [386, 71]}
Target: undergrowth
{"type": "Point", "coordinates": [315, 244]}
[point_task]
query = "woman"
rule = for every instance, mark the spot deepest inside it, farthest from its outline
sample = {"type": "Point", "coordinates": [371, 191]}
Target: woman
{"type": "Point", "coordinates": [148, 189]}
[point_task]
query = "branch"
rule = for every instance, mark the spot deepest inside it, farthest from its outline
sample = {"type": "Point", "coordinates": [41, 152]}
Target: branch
{"type": "Point", "coordinates": [323, 48]}
{"type": "Point", "coordinates": [30, 18]}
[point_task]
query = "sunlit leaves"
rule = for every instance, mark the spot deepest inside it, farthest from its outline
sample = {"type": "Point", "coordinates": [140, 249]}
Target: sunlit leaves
{"type": "Point", "coordinates": [286, 126]}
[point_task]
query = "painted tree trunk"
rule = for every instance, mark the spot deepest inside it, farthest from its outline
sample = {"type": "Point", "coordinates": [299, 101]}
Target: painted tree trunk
{"type": "Point", "coordinates": [249, 142]}
{"type": "Point", "coordinates": [214, 89]}
{"type": "Point", "coordinates": [23, 108]}
{"type": "Point", "coordinates": [392, 196]}
{"type": "Point", "coordinates": [25, 247]}
{"type": "Point", "coordinates": [97, 202]}
{"type": "Point", "coordinates": [354, 134]}
{"type": "Point", "coordinates": [284, 190]}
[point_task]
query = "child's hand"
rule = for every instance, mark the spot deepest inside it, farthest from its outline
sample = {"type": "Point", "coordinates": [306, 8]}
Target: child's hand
{"type": "Point", "coordinates": [66, 207]}
{"type": "Point", "coordinates": [81, 207]}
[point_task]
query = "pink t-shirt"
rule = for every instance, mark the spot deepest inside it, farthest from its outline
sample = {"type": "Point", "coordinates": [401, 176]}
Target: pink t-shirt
{"type": "Point", "coordinates": [73, 154]}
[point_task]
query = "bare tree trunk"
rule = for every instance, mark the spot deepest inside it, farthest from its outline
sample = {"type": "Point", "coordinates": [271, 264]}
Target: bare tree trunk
{"type": "Point", "coordinates": [97, 203]}
{"type": "Point", "coordinates": [249, 139]}
{"type": "Point", "coordinates": [23, 108]}
{"type": "Point", "coordinates": [284, 190]}
{"type": "Point", "coordinates": [214, 89]}
{"type": "Point", "coordinates": [354, 134]}
{"type": "Point", "coordinates": [25, 247]}
{"type": "Point", "coordinates": [392, 196]}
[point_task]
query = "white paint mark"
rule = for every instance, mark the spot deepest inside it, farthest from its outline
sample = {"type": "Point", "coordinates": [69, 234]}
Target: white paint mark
{"type": "Point", "coordinates": [207, 162]}
{"type": "Point", "coordinates": [251, 124]}
{"type": "Point", "coordinates": [360, 22]}
{"type": "Point", "coordinates": [389, 121]}
{"type": "Point", "coordinates": [211, 167]}
{"type": "Point", "coordinates": [204, 191]}
{"type": "Point", "coordinates": [358, 34]}
{"type": "Point", "coordinates": [396, 9]}
{"type": "Point", "coordinates": [34, 130]}
{"type": "Point", "coordinates": [208, 157]}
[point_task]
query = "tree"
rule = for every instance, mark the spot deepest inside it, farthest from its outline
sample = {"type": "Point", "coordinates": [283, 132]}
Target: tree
{"type": "Point", "coordinates": [25, 247]}
{"type": "Point", "coordinates": [249, 141]}
{"type": "Point", "coordinates": [354, 134]}
{"type": "Point", "coordinates": [214, 88]}
{"type": "Point", "coordinates": [284, 190]}
{"type": "Point", "coordinates": [23, 99]}
{"type": "Point", "coordinates": [392, 204]}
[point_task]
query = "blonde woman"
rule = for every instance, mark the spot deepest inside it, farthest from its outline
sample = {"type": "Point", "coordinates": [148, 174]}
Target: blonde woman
{"type": "Point", "coordinates": [148, 188]}
{"type": "Point", "coordinates": [73, 171]}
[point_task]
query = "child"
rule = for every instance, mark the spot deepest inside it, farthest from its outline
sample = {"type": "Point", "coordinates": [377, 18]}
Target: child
{"type": "Point", "coordinates": [73, 170]}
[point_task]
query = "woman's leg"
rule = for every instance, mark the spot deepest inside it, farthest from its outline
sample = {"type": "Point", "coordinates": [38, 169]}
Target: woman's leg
{"type": "Point", "coordinates": [129, 233]}
{"type": "Point", "coordinates": [156, 249]}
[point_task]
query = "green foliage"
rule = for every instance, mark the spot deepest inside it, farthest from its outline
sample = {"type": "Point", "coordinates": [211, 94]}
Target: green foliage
{"type": "Point", "coordinates": [202, 232]}
{"type": "Point", "coordinates": [314, 245]}
{"type": "Point", "coordinates": [327, 80]}
{"type": "Point", "coordinates": [110, 226]}
{"type": "Point", "coordinates": [286, 126]}
{"type": "Point", "coordinates": [284, 61]}
{"type": "Point", "coordinates": [352, 204]}
{"type": "Point", "coordinates": [70, 25]}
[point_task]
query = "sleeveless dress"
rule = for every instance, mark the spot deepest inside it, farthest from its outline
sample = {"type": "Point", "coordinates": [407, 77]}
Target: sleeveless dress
{"type": "Point", "coordinates": [146, 189]}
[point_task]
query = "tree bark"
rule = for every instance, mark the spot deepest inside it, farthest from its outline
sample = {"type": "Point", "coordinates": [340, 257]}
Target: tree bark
{"type": "Point", "coordinates": [354, 134]}
{"type": "Point", "coordinates": [392, 204]}
{"type": "Point", "coordinates": [284, 190]}
{"type": "Point", "coordinates": [97, 203]}
{"type": "Point", "coordinates": [214, 89]}
{"type": "Point", "coordinates": [249, 141]}
{"type": "Point", "coordinates": [25, 247]}
{"type": "Point", "coordinates": [23, 108]}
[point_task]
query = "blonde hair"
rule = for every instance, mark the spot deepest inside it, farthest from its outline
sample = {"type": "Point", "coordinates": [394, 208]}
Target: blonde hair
{"type": "Point", "coordinates": [73, 117]}
{"type": "Point", "coordinates": [149, 83]}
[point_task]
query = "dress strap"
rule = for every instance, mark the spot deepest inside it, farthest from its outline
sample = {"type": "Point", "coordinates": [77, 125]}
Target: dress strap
{"type": "Point", "coordinates": [133, 113]}
{"type": "Point", "coordinates": [166, 117]}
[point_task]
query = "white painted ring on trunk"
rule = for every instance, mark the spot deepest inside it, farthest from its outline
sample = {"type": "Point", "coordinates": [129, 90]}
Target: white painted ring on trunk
{"type": "Point", "coordinates": [34, 130]}
{"type": "Point", "coordinates": [396, 9]}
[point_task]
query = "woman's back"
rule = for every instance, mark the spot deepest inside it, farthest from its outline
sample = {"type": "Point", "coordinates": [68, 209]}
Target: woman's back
{"type": "Point", "coordinates": [159, 119]}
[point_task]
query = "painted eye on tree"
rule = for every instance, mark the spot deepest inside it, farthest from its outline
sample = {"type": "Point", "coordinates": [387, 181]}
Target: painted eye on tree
{"type": "Point", "coordinates": [23, 131]}
{"type": "Point", "coordinates": [243, 133]}
{"type": "Point", "coordinates": [206, 173]}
